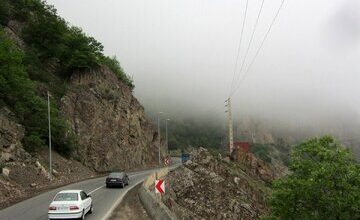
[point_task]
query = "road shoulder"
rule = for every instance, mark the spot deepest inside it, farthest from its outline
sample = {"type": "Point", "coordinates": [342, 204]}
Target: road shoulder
{"type": "Point", "coordinates": [130, 207]}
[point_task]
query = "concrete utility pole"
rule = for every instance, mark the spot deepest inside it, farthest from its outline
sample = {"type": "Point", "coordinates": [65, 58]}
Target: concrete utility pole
{"type": "Point", "coordinates": [166, 134]}
{"type": "Point", "coordinates": [159, 147]}
{"type": "Point", "coordinates": [253, 137]}
{"type": "Point", "coordinates": [230, 124]}
{"type": "Point", "coordinates": [50, 168]}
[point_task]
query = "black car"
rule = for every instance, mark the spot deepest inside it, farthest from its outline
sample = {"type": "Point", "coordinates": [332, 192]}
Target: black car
{"type": "Point", "coordinates": [117, 179]}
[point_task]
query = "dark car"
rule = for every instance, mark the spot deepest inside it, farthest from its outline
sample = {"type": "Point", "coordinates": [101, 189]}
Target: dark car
{"type": "Point", "coordinates": [117, 179]}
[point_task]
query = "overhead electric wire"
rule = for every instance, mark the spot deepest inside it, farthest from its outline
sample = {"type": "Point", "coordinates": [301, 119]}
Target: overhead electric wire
{"type": "Point", "coordinates": [258, 50]}
{"type": "Point", "coordinates": [251, 38]}
{"type": "Point", "coordinates": [239, 48]}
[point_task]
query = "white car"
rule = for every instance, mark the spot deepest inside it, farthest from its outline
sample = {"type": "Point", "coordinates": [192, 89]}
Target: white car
{"type": "Point", "coordinates": [70, 204]}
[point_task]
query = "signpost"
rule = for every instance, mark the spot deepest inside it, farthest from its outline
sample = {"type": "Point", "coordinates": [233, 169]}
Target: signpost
{"type": "Point", "coordinates": [160, 186]}
{"type": "Point", "coordinates": [167, 161]}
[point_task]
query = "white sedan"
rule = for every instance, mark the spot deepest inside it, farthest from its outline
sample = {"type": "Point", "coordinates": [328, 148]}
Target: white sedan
{"type": "Point", "coordinates": [70, 204]}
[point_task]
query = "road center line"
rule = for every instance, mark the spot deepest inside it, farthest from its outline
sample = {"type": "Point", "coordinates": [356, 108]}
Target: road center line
{"type": "Point", "coordinates": [96, 189]}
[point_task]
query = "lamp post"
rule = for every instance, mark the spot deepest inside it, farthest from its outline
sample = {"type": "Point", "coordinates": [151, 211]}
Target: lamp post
{"type": "Point", "coordinates": [166, 134]}
{"type": "Point", "coordinates": [159, 137]}
{"type": "Point", "coordinates": [50, 159]}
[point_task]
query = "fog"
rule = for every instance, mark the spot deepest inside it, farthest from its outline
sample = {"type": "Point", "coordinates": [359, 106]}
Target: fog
{"type": "Point", "coordinates": [181, 55]}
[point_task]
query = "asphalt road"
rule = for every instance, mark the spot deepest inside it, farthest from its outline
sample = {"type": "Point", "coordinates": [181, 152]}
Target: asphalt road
{"type": "Point", "coordinates": [105, 199]}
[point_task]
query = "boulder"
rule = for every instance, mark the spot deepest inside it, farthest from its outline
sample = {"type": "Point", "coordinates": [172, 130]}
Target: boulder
{"type": "Point", "coordinates": [5, 172]}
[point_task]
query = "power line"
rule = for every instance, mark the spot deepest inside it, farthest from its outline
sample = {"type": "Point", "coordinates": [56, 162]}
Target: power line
{"type": "Point", "coordinates": [239, 47]}
{"type": "Point", "coordinates": [251, 38]}
{"type": "Point", "coordinates": [258, 50]}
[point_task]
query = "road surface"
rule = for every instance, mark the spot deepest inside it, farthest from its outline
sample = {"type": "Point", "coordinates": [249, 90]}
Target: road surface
{"type": "Point", "coordinates": [104, 199]}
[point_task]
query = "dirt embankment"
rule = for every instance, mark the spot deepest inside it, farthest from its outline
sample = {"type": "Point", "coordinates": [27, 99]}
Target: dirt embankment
{"type": "Point", "coordinates": [212, 187]}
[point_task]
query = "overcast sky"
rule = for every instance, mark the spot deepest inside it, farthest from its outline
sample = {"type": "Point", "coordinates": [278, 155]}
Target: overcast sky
{"type": "Point", "coordinates": [181, 53]}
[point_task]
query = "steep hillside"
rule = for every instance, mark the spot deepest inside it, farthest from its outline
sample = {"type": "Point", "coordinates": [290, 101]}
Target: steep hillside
{"type": "Point", "coordinates": [97, 124]}
{"type": "Point", "coordinates": [108, 122]}
{"type": "Point", "coordinates": [213, 187]}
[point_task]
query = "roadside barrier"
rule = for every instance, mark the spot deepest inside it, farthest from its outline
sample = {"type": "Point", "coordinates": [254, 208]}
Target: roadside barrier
{"type": "Point", "coordinates": [152, 204]}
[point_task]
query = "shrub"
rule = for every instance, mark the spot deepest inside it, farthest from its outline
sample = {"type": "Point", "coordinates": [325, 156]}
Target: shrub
{"type": "Point", "coordinates": [324, 183]}
{"type": "Point", "coordinates": [114, 65]}
{"type": "Point", "coordinates": [4, 12]}
{"type": "Point", "coordinates": [33, 142]}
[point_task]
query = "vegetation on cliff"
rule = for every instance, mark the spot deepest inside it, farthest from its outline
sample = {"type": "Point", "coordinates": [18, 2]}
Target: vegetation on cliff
{"type": "Point", "coordinates": [52, 52]}
{"type": "Point", "coordinates": [324, 183]}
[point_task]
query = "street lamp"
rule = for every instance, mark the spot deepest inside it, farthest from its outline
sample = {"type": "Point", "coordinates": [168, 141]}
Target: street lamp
{"type": "Point", "coordinates": [50, 168]}
{"type": "Point", "coordinates": [159, 136]}
{"type": "Point", "coordinates": [166, 133]}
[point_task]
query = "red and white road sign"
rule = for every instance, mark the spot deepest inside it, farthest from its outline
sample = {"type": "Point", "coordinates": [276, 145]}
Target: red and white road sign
{"type": "Point", "coordinates": [160, 186]}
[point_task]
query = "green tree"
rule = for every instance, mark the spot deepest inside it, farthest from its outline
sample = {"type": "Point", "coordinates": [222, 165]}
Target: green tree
{"type": "Point", "coordinates": [324, 183]}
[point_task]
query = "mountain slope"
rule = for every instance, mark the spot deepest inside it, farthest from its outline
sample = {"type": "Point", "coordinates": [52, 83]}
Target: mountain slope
{"type": "Point", "coordinates": [97, 124]}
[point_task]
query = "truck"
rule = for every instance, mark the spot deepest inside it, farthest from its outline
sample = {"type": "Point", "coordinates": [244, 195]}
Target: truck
{"type": "Point", "coordinates": [185, 157]}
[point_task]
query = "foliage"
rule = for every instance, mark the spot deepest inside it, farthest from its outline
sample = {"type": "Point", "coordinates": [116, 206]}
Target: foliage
{"type": "Point", "coordinates": [114, 65]}
{"type": "Point", "coordinates": [185, 133]}
{"type": "Point", "coordinates": [324, 183]}
{"type": "Point", "coordinates": [261, 151]}
{"type": "Point", "coordinates": [18, 92]}
{"type": "Point", "coordinates": [49, 37]}
{"type": "Point", "coordinates": [4, 12]}
{"type": "Point", "coordinates": [32, 142]}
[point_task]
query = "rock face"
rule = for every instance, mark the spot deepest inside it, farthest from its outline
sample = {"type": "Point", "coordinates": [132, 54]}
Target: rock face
{"type": "Point", "coordinates": [212, 187]}
{"type": "Point", "coordinates": [11, 134]}
{"type": "Point", "coordinates": [109, 122]}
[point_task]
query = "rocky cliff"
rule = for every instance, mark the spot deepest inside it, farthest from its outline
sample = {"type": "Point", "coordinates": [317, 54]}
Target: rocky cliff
{"type": "Point", "coordinates": [109, 122]}
{"type": "Point", "coordinates": [213, 187]}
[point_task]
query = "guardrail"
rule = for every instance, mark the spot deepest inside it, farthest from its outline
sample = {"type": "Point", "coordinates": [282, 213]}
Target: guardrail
{"type": "Point", "coordinates": [153, 205]}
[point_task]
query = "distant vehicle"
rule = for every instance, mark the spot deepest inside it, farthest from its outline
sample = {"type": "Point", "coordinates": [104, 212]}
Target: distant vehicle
{"type": "Point", "coordinates": [70, 204]}
{"type": "Point", "coordinates": [185, 157]}
{"type": "Point", "coordinates": [117, 179]}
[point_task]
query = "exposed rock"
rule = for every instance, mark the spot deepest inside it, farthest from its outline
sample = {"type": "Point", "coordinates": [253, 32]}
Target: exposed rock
{"type": "Point", "coordinates": [188, 162]}
{"type": "Point", "coordinates": [236, 180]}
{"type": "Point", "coordinates": [5, 172]}
{"type": "Point", "coordinates": [210, 188]}
{"type": "Point", "coordinates": [33, 185]}
{"type": "Point", "coordinates": [13, 30]}
{"type": "Point", "coordinates": [55, 173]}
{"type": "Point", "coordinates": [112, 130]}
{"type": "Point", "coordinates": [6, 157]}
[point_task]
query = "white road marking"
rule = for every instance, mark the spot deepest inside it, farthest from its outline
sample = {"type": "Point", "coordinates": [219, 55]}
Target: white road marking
{"type": "Point", "coordinates": [96, 189]}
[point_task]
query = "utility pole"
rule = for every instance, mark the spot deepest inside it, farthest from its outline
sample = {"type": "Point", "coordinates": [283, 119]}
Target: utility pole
{"type": "Point", "coordinates": [166, 134]}
{"type": "Point", "coordinates": [230, 124]}
{"type": "Point", "coordinates": [253, 137]}
{"type": "Point", "coordinates": [159, 136]}
{"type": "Point", "coordinates": [50, 168]}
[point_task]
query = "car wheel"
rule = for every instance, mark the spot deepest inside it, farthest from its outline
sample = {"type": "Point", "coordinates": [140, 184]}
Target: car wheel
{"type": "Point", "coordinates": [91, 209]}
{"type": "Point", "coordinates": [107, 186]}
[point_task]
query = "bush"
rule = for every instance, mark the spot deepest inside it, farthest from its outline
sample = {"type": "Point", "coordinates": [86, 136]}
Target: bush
{"type": "Point", "coordinates": [4, 12]}
{"type": "Point", "coordinates": [324, 183]}
{"type": "Point", "coordinates": [261, 151]}
{"type": "Point", "coordinates": [33, 142]}
{"type": "Point", "coordinates": [114, 65]}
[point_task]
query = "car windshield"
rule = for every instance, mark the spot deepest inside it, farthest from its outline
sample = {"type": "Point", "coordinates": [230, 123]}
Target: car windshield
{"type": "Point", "coordinates": [116, 175]}
{"type": "Point", "coordinates": [66, 197]}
